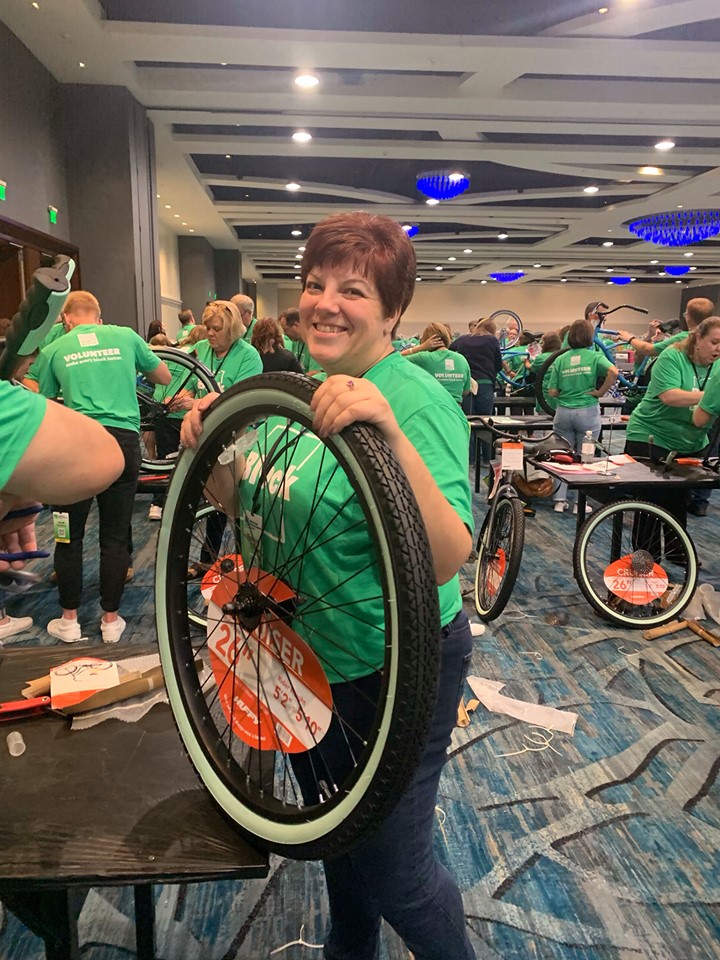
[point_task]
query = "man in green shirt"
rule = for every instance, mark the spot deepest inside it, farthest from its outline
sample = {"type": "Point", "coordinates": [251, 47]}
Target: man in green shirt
{"type": "Point", "coordinates": [95, 367]}
{"type": "Point", "coordinates": [187, 322]}
{"type": "Point", "coordinates": [697, 310]}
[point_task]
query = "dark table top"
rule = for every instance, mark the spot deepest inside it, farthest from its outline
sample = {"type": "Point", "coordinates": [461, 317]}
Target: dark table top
{"type": "Point", "coordinates": [638, 474]}
{"type": "Point", "coordinates": [510, 402]}
{"type": "Point", "coordinates": [116, 804]}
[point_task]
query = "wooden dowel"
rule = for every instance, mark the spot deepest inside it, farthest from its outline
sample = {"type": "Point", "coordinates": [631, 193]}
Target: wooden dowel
{"type": "Point", "coordinates": [704, 634]}
{"type": "Point", "coordinates": [666, 628]}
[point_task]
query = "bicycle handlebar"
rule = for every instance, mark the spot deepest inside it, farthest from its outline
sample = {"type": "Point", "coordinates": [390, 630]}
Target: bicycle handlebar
{"type": "Point", "coordinates": [602, 314]}
{"type": "Point", "coordinates": [488, 422]}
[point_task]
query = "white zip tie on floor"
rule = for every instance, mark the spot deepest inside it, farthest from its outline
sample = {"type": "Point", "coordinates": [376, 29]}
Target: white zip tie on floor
{"type": "Point", "coordinates": [297, 943]}
{"type": "Point", "coordinates": [546, 744]}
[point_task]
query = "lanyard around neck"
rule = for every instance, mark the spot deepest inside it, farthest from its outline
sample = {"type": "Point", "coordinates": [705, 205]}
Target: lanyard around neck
{"type": "Point", "coordinates": [697, 376]}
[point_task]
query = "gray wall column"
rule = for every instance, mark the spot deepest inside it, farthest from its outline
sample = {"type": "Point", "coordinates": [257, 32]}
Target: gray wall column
{"type": "Point", "coordinates": [197, 273]}
{"type": "Point", "coordinates": [228, 273]}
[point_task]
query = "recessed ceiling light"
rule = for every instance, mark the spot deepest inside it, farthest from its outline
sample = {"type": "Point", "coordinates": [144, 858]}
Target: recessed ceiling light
{"type": "Point", "coordinates": [432, 202]}
{"type": "Point", "coordinates": [306, 80]}
{"type": "Point", "coordinates": [438, 268]}
{"type": "Point", "coordinates": [679, 206]}
{"type": "Point", "coordinates": [227, 156]}
{"type": "Point", "coordinates": [298, 278]}
{"type": "Point", "coordinates": [191, 230]}
{"type": "Point", "coordinates": [467, 250]}
{"type": "Point", "coordinates": [184, 223]}
{"type": "Point", "coordinates": [454, 177]}
{"type": "Point", "coordinates": [223, 63]}
{"type": "Point", "coordinates": [537, 265]}
{"type": "Point", "coordinates": [81, 64]}
{"type": "Point", "coordinates": [177, 216]}
{"type": "Point", "coordinates": [502, 236]}
{"type": "Point", "coordinates": [563, 279]}
{"type": "Point", "coordinates": [167, 206]}
{"type": "Point", "coordinates": [609, 270]}
{"type": "Point", "coordinates": [609, 282]}
{"type": "Point", "coordinates": [296, 233]}
{"type": "Point", "coordinates": [633, 279]}
{"type": "Point", "coordinates": [651, 171]}
{"type": "Point", "coordinates": [688, 254]}
{"type": "Point", "coordinates": [302, 136]}
{"type": "Point", "coordinates": [483, 281]}
{"type": "Point", "coordinates": [157, 196]}
{"type": "Point", "coordinates": [693, 268]}
{"type": "Point", "coordinates": [607, 243]}
{"type": "Point", "coordinates": [36, 4]}
{"type": "Point", "coordinates": [662, 274]}
{"type": "Point", "coordinates": [452, 258]}
{"type": "Point", "coordinates": [292, 186]}
{"type": "Point", "coordinates": [301, 249]}
{"type": "Point", "coordinates": [298, 256]}
{"type": "Point", "coordinates": [603, 10]}
{"type": "Point", "coordinates": [665, 145]}
{"type": "Point", "coordinates": [590, 189]}
{"type": "Point", "coordinates": [678, 281]}
{"type": "Point", "coordinates": [654, 261]}
{"type": "Point", "coordinates": [418, 279]}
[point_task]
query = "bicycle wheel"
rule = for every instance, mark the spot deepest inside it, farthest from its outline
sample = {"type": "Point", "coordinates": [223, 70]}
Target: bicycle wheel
{"type": "Point", "coordinates": [499, 550]}
{"type": "Point", "coordinates": [154, 402]}
{"type": "Point", "coordinates": [635, 564]}
{"type": "Point", "coordinates": [328, 581]}
{"type": "Point", "coordinates": [543, 401]}
{"type": "Point", "coordinates": [509, 327]}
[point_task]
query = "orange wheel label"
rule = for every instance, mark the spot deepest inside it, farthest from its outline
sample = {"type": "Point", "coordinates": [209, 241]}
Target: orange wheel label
{"type": "Point", "coordinates": [621, 580]}
{"type": "Point", "coordinates": [272, 688]}
{"type": "Point", "coordinates": [496, 572]}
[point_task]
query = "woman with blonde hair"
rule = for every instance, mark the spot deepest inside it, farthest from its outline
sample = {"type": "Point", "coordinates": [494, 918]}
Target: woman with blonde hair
{"type": "Point", "coordinates": [268, 340]}
{"type": "Point", "coordinates": [228, 357]}
{"type": "Point", "coordinates": [432, 354]}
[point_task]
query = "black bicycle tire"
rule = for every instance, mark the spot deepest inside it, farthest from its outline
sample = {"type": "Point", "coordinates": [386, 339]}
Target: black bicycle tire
{"type": "Point", "coordinates": [540, 399]}
{"type": "Point", "coordinates": [582, 578]}
{"type": "Point", "coordinates": [509, 313]}
{"type": "Point", "coordinates": [416, 621]}
{"type": "Point", "coordinates": [514, 558]}
{"type": "Point", "coordinates": [191, 363]}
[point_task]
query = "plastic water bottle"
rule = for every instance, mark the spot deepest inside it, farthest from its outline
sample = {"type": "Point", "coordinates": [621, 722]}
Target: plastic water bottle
{"type": "Point", "coordinates": [587, 450]}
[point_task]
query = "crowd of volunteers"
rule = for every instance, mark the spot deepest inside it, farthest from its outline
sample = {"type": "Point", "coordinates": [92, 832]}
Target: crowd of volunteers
{"type": "Point", "coordinates": [358, 277]}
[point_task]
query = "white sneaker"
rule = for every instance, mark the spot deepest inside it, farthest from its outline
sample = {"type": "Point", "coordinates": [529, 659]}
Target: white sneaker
{"type": "Point", "coordinates": [66, 630]}
{"type": "Point", "coordinates": [560, 506]}
{"type": "Point", "coordinates": [155, 512]}
{"type": "Point", "coordinates": [588, 510]}
{"type": "Point", "coordinates": [111, 632]}
{"type": "Point", "coordinates": [14, 625]}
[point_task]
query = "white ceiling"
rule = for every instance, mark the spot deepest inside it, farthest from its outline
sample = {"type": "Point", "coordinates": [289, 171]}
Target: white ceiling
{"type": "Point", "coordinates": [591, 94]}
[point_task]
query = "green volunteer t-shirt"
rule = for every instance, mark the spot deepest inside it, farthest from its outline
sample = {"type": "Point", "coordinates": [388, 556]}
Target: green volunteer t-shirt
{"type": "Point", "coordinates": [710, 402]}
{"type": "Point", "coordinates": [450, 369]}
{"type": "Point", "coordinates": [574, 374]}
{"type": "Point", "coordinates": [21, 413]}
{"type": "Point", "coordinates": [95, 366]}
{"type": "Point", "coordinates": [247, 336]}
{"type": "Point", "coordinates": [670, 427]}
{"type": "Point", "coordinates": [56, 331]}
{"type": "Point", "coordinates": [185, 331]}
{"type": "Point", "coordinates": [535, 367]}
{"type": "Point", "coordinates": [662, 345]}
{"type": "Point", "coordinates": [515, 359]}
{"type": "Point", "coordinates": [339, 571]}
{"type": "Point", "coordinates": [240, 362]}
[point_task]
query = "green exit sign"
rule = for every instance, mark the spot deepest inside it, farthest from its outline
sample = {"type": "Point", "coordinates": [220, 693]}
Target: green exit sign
{"type": "Point", "coordinates": [3, 188]}
{"type": "Point", "coordinates": [52, 214]}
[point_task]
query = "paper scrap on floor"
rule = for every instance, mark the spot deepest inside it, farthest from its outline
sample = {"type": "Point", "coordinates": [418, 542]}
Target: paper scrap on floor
{"type": "Point", "coordinates": [488, 693]}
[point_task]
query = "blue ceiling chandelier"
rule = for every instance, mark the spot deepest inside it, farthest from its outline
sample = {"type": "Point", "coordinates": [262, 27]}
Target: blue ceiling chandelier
{"type": "Point", "coordinates": [411, 229]}
{"type": "Point", "coordinates": [677, 271]}
{"type": "Point", "coordinates": [620, 281]}
{"type": "Point", "coordinates": [677, 228]}
{"type": "Point", "coordinates": [442, 184]}
{"type": "Point", "coordinates": [507, 277]}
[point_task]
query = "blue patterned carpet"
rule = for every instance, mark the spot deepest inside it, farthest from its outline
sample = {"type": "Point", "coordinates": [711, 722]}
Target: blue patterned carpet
{"type": "Point", "coordinates": [601, 846]}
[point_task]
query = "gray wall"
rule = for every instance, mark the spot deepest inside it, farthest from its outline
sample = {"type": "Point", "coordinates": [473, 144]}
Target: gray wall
{"type": "Point", "coordinates": [32, 144]}
{"type": "Point", "coordinates": [197, 273]}
{"type": "Point", "coordinates": [111, 189]}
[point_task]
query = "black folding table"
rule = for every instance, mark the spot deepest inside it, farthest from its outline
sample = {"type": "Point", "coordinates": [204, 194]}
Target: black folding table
{"type": "Point", "coordinates": [115, 805]}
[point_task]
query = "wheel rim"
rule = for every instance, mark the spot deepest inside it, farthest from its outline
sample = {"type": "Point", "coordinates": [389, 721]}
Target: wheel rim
{"type": "Point", "coordinates": [494, 552]}
{"type": "Point", "coordinates": [636, 564]}
{"type": "Point", "coordinates": [503, 319]}
{"type": "Point", "coordinates": [264, 796]}
{"type": "Point", "coordinates": [154, 401]}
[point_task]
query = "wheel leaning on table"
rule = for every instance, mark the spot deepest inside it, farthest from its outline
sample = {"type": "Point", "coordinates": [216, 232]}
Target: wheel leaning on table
{"type": "Point", "coordinates": [270, 417]}
{"type": "Point", "coordinates": [635, 564]}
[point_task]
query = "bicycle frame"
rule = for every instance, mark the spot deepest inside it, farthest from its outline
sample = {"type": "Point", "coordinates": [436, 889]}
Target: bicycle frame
{"type": "Point", "coordinates": [624, 381]}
